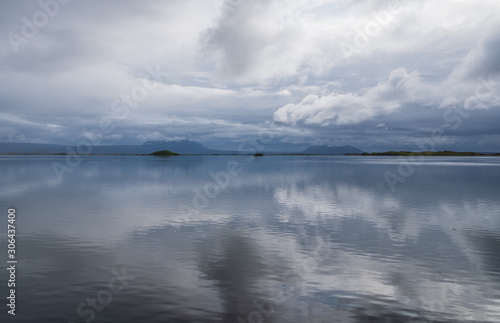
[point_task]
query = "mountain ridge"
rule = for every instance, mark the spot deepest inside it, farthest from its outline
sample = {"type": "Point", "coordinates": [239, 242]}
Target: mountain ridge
{"type": "Point", "coordinates": [181, 147]}
{"type": "Point", "coordinates": [148, 147]}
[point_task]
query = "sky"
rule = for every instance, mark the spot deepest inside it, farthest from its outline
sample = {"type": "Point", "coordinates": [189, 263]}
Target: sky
{"type": "Point", "coordinates": [377, 75]}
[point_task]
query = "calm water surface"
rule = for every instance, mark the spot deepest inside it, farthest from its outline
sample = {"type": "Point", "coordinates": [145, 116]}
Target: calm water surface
{"type": "Point", "coordinates": [270, 239]}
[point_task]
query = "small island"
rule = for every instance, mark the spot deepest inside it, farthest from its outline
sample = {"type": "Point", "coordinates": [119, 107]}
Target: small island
{"type": "Point", "coordinates": [164, 153]}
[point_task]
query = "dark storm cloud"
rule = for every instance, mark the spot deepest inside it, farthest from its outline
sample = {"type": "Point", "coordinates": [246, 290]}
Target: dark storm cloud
{"type": "Point", "coordinates": [225, 70]}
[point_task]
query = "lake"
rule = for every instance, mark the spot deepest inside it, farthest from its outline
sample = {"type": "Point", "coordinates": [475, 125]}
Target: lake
{"type": "Point", "coordinates": [242, 239]}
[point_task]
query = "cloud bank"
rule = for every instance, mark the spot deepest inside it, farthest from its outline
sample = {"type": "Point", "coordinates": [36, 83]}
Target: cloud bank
{"type": "Point", "coordinates": [320, 72]}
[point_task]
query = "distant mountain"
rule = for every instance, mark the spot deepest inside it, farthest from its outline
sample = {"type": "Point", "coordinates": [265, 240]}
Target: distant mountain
{"type": "Point", "coordinates": [331, 150]}
{"type": "Point", "coordinates": [181, 147]}
{"type": "Point", "coordinates": [23, 148]}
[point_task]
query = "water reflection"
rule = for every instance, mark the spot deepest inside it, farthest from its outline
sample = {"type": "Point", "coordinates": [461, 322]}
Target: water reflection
{"type": "Point", "coordinates": [290, 239]}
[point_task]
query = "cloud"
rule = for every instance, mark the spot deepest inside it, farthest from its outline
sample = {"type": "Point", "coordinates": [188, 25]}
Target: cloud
{"type": "Point", "coordinates": [474, 83]}
{"type": "Point", "coordinates": [471, 85]}
{"type": "Point", "coordinates": [490, 141]}
{"type": "Point", "coordinates": [350, 108]}
{"type": "Point", "coordinates": [230, 65]}
{"type": "Point", "coordinates": [481, 61]}
{"type": "Point", "coordinates": [259, 41]}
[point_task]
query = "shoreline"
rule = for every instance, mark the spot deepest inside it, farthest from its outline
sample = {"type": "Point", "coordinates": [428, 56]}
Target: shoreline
{"type": "Point", "coordinates": [375, 154]}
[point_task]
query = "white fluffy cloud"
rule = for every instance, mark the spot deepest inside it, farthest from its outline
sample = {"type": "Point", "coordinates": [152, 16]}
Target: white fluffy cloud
{"type": "Point", "coordinates": [348, 108]}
